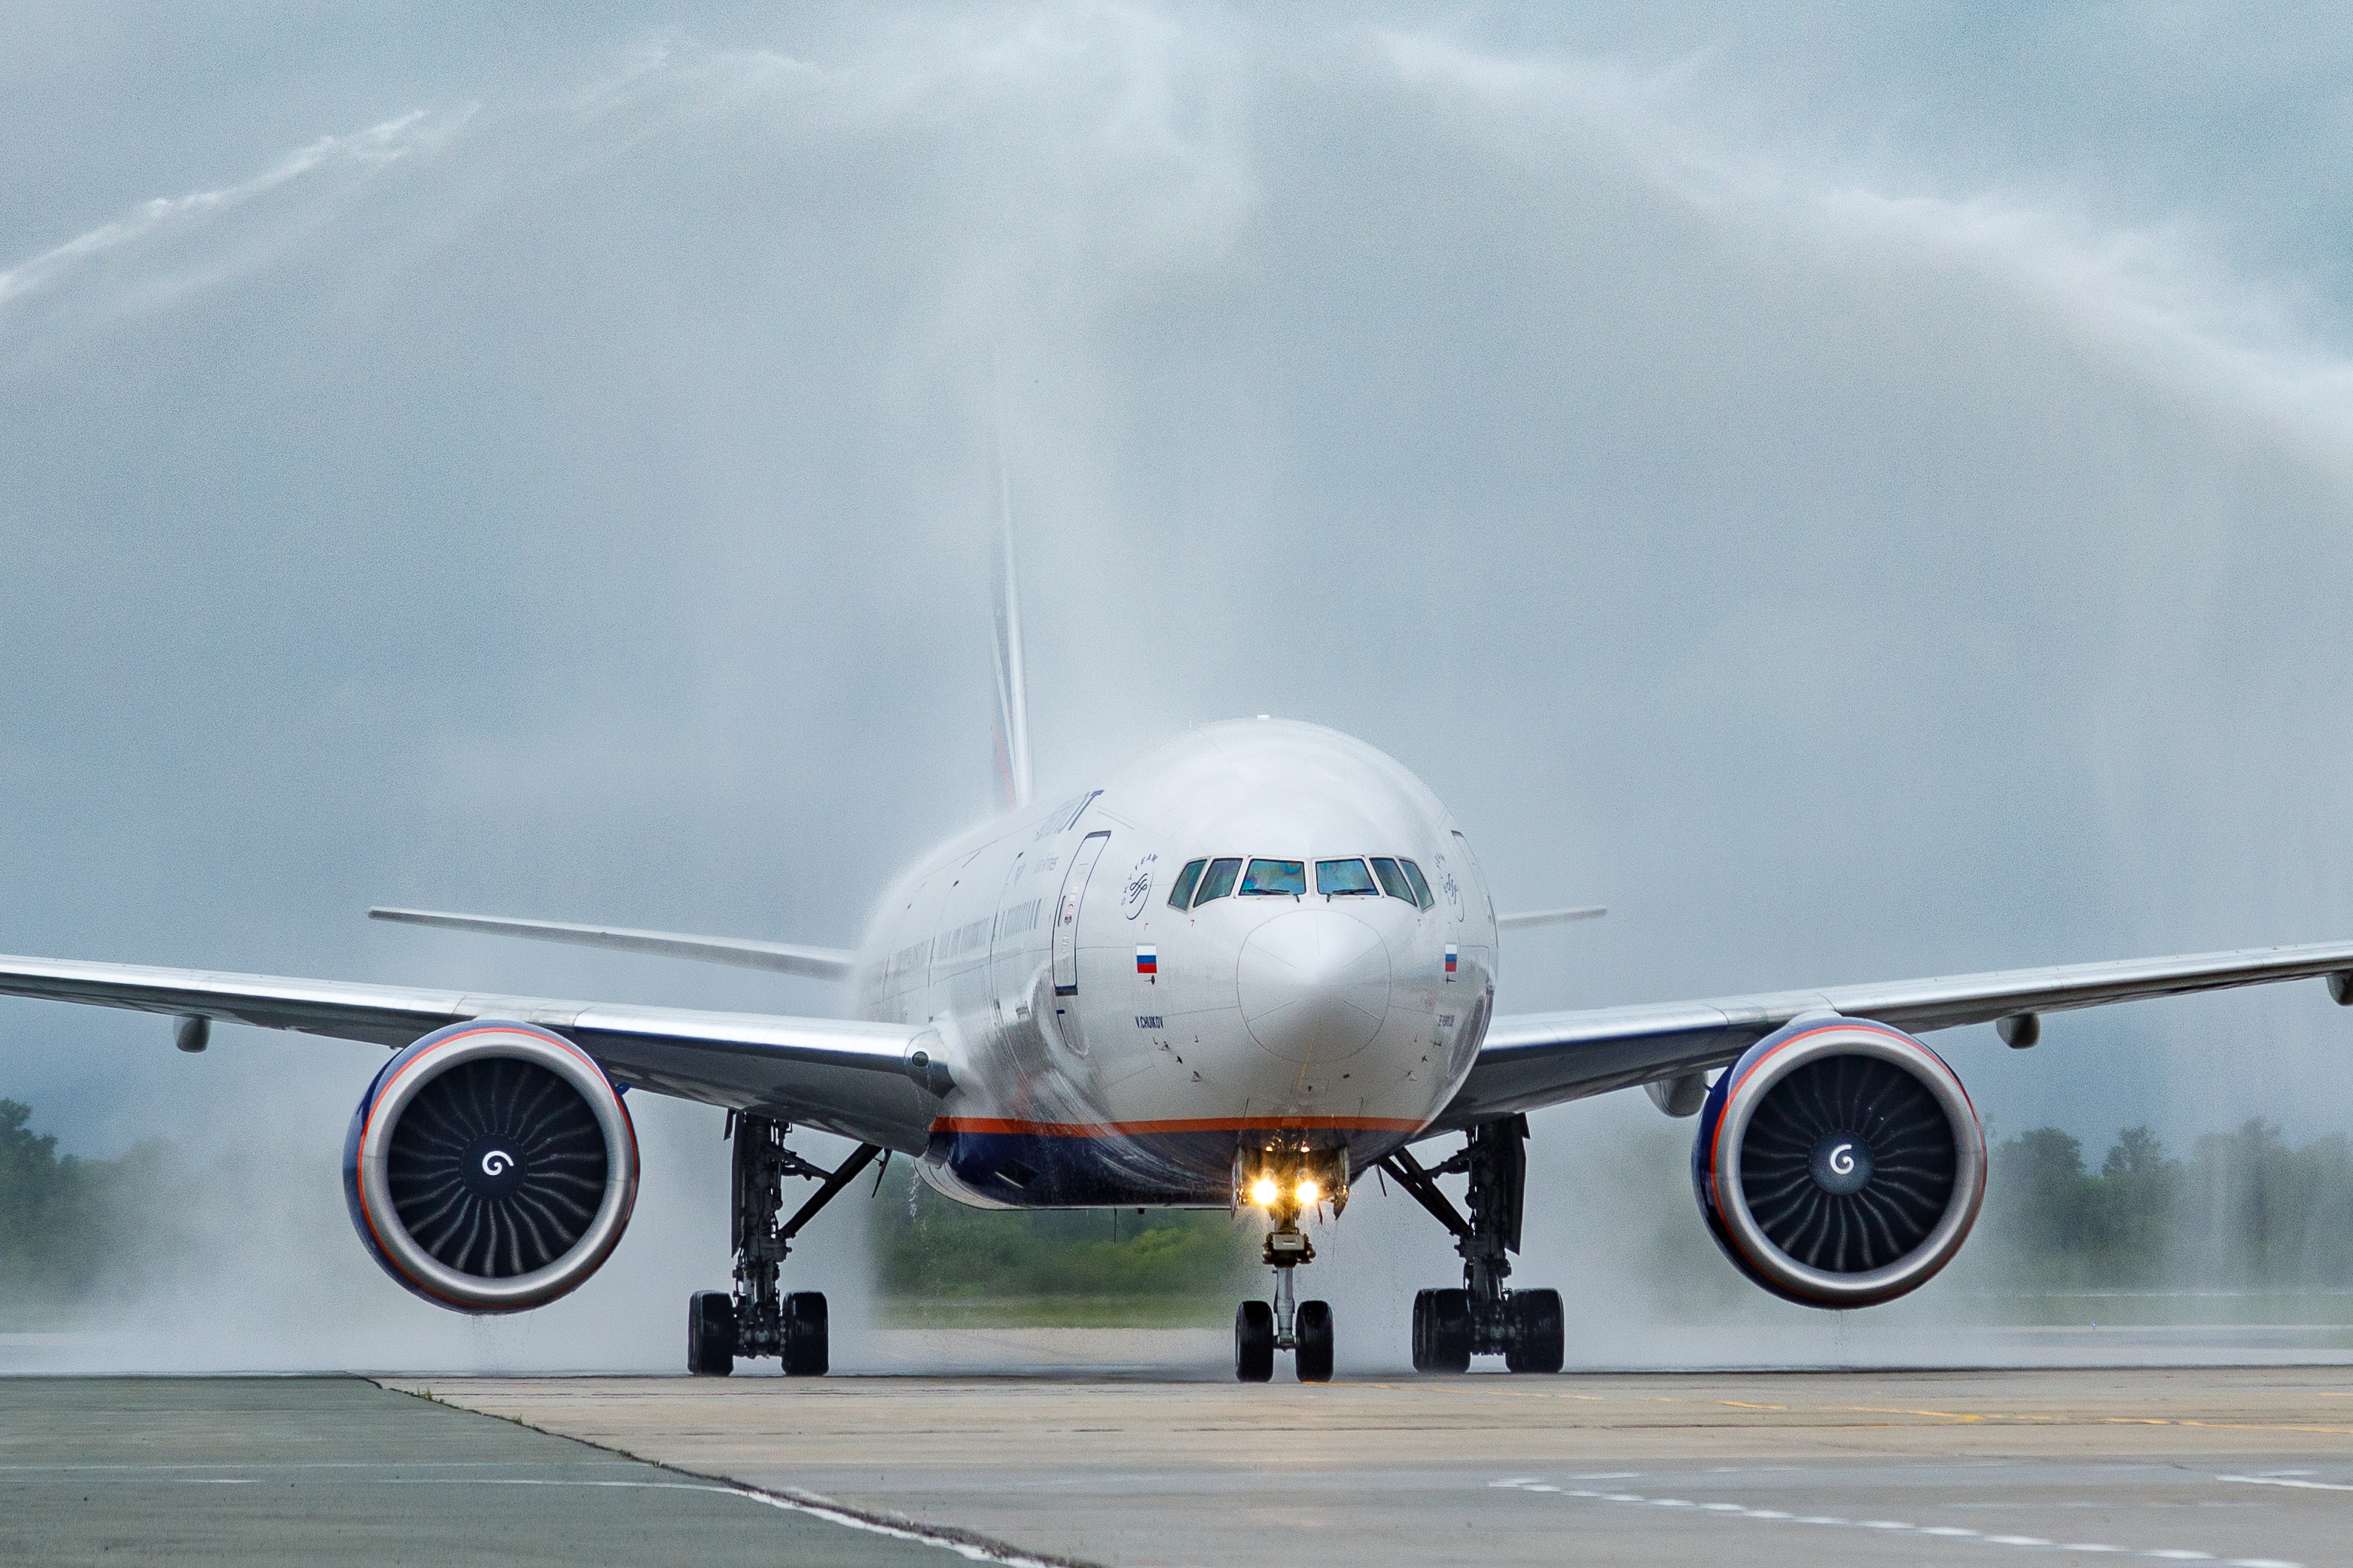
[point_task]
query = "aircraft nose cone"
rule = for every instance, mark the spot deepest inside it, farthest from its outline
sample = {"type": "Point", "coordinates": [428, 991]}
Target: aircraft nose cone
{"type": "Point", "coordinates": [1315, 984]}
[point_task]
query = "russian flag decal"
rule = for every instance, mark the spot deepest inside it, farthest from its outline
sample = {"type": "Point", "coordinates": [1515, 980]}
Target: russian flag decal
{"type": "Point", "coordinates": [1148, 960]}
{"type": "Point", "coordinates": [1449, 961]}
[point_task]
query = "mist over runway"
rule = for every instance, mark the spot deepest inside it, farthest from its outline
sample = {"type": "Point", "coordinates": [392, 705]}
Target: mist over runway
{"type": "Point", "coordinates": [1884, 504]}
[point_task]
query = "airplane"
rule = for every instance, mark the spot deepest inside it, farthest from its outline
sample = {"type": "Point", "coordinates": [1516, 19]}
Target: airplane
{"type": "Point", "coordinates": [1241, 972]}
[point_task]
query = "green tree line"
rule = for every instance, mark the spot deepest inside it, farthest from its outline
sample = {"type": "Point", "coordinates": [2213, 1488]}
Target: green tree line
{"type": "Point", "coordinates": [934, 1250]}
{"type": "Point", "coordinates": [64, 1221]}
{"type": "Point", "coordinates": [2244, 1210]}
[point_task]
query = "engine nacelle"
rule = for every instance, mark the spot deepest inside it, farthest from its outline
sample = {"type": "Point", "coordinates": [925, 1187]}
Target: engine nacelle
{"type": "Point", "coordinates": [1840, 1163]}
{"type": "Point", "coordinates": [491, 1167]}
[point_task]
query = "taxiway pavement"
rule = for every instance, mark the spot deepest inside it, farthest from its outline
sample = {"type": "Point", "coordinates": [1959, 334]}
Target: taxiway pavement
{"type": "Point", "coordinates": [2247, 1467]}
{"type": "Point", "coordinates": [315, 1470]}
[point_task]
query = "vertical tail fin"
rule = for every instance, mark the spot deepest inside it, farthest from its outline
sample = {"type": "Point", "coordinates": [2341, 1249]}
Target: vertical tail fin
{"type": "Point", "coordinates": [1012, 679]}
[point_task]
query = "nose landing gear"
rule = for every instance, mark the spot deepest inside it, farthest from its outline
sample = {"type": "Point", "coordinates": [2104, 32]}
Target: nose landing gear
{"type": "Point", "coordinates": [1303, 1328]}
{"type": "Point", "coordinates": [756, 1320]}
{"type": "Point", "coordinates": [1526, 1328]}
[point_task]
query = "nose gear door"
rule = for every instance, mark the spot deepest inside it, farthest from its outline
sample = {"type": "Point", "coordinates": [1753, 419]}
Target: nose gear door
{"type": "Point", "coordinates": [1066, 913]}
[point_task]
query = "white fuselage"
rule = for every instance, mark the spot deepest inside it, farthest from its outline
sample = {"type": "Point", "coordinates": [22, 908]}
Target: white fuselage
{"type": "Point", "coordinates": [1111, 1048]}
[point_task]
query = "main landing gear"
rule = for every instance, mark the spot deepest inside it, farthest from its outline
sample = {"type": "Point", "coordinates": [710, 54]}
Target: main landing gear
{"type": "Point", "coordinates": [1288, 1184]}
{"type": "Point", "coordinates": [1526, 1328]}
{"type": "Point", "coordinates": [756, 1320]}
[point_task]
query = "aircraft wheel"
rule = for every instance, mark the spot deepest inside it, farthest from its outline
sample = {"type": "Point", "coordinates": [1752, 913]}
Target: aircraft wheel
{"type": "Point", "coordinates": [805, 1334]}
{"type": "Point", "coordinates": [1314, 1330]}
{"type": "Point", "coordinates": [1441, 1331]}
{"type": "Point", "coordinates": [709, 1334]}
{"type": "Point", "coordinates": [1538, 1345]}
{"type": "Point", "coordinates": [1253, 1342]}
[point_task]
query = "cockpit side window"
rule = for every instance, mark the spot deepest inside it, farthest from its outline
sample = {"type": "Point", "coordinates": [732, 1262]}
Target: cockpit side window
{"type": "Point", "coordinates": [1343, 879]}
{"type": "Point", "coordinates": [1218, 880]}
{"type": "Point", "coordinates": [1180, 895]}
{"type": "Point", "coordinates": [1422, 896]}
{"type": "Point", "coordinates": [1267, 877]}
{"type": "Point", "coordinates": [1393, 881]}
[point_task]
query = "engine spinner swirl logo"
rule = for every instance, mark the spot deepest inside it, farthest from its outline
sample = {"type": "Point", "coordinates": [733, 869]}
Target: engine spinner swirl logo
{"type": "Point", "coordinates": [491, 1168]}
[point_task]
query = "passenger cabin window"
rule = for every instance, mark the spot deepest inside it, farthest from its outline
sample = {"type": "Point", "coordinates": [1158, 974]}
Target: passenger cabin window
{"type": "Point", "coordinates": [1393, 881]}
{"type": "Point", "coordinates": [1343, 879]}
{"type": "Point", "coordinates": [1180, 896]}
{"type": "Point", "coordinates": [1218, 880]}
{"type": "Point", "coordinates": [1270, 877]}
{"type": "Point", "coordinates": [1422, 896]}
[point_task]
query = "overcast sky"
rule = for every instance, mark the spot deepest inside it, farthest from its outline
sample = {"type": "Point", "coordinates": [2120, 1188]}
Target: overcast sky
{"type": "Point", "coordinates": [1861, 497]}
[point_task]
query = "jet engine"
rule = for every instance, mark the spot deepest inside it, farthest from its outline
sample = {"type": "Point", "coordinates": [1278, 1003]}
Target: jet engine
{"type": "Point", "coordinates": [1839, 1163]}
{"type": "Point", "coordinates": [491, 1167]}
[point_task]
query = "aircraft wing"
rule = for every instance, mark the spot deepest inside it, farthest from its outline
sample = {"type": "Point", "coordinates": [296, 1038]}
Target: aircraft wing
{"type": "Point", "coordinates": [1534, 1059]}
{"type": "Point", "coordinates": [861, 1081]}
{"type": "Point", "coordinates": [1549, 917]}
{"type": "Point", "coordinates": [782, 958]}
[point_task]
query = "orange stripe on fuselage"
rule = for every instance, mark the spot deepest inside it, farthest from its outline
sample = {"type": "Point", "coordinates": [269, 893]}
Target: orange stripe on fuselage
{"type": "Point", "coordinates": [1202, 1124]}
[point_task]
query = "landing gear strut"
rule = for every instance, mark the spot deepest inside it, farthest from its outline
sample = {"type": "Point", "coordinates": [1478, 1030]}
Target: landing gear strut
{"type": "Point", "coordinates": [1526, 1328]}
{"type": "Point", "coordinates": [756, 1320]}
{"type": "Point", "coordinates": [1288, 1184]}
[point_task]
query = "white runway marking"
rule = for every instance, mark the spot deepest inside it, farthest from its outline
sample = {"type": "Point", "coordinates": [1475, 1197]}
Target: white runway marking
{"type": "Point", "coordinates": [809, 1503]}
{"type": "Point", "coordinates": [970, 1551]}
{"type": "Point", "coordinates": [1939, 1532]}
{"type": "Point", "coordinates": [2288, 1481]}
{"type": "Point", "coordinates": [6, 1470]}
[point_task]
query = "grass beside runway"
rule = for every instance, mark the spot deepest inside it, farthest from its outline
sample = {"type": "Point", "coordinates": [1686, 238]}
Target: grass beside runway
{"type": "Point", "coordinates": [2166, 1309]}
{"type": "Point", "coordinates": [1057, 1312]}
{"type": "Point", "coordinates": [939, 1265]}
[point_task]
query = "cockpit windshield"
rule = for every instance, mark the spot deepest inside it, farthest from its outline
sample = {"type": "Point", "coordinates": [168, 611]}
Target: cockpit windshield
{"type": "Point", "coordinates": [1268, 877]}
{"type": "Point", "coordinates": [1218, 880]}
{"type": "Point", "coordinates": [1343, 879]}
{"type": "Point", "coordinates": [1203, 881]}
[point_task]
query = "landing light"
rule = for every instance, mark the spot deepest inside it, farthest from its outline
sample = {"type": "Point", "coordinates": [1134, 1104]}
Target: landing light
{"type": "Point", "coordinates": [1309, 1192]}
{"type": "Point", "coordinates": [1264, 1191]}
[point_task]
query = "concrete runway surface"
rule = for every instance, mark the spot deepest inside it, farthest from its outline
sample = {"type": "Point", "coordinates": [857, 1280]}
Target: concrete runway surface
{"type": "Point", "coordinates": [2251, 1467]}
{"type": "Point", "coordinates": [338, 1470]}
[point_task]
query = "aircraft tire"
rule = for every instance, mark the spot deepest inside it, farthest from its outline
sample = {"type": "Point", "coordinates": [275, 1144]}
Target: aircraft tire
{"type": "Point", "coordinates": [1253, 1342]}
{"type": "Point", "coordinates": [1539, 1345]}
{"type": "Point", "coordinates": [805, 1334]}
{"type": "Point", "coordinates": [1314, 1330]}
{"type": "Point", "coordinates": [709, 1334]}
{"type": "Point", "coordinates": [1441, 1331]}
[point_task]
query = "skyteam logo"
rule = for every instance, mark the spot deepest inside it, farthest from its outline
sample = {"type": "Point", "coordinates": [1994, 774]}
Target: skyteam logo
{"type": "Point", "coordinates": [1138, 886]}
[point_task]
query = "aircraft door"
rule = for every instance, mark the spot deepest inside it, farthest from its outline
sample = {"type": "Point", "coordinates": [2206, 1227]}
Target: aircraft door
{"type": "Point", "coordinates": [1066, 913]}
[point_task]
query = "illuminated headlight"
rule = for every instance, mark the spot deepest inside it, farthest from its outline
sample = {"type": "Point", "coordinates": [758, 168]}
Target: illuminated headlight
{"type": "Point", "coordinates": [1264, 1191]}
{"type": "Point", "coordinates": [1309, 1192]}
